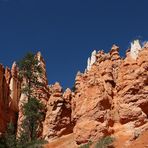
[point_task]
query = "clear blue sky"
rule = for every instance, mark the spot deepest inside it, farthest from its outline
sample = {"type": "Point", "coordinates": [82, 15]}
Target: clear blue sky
{"type": "Point", "coordinates": [66, 31]}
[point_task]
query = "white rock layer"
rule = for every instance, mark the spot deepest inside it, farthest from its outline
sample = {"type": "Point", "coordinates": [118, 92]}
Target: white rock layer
{"type": "Point", "coordinates": [91, 60]}
{"type": "Point", "coordinates": [135, 48]}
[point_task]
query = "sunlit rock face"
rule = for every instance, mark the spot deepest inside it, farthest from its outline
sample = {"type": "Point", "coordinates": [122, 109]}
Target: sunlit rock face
{"type": "Point", "coordinates": [88, 64]}
{"type": "Point", "coordinates": [58, 116]}
{"type": "Point", "coordinates": [42, 93]}
{"type": "Point", "coordinates": [93, 99]}
{"type": "Point", "coordinates": [41, 60]}
{"type": "Point", "coordinates": [91, 60]}
{"type": "Point", "coordinates": [112, 95]}
{"type": "Point", "coordinates": [132, 89]}
{"type": "Point", "coordinates": [14, 88]}
{"type": "Point", "coordinates": [109, 98]}
{"type": "Point", "coordinates": [135, 48]}
{"type": "Point", "coordinates": [22, 100]}
{"type": "Point", "coordinates": [9, 96]}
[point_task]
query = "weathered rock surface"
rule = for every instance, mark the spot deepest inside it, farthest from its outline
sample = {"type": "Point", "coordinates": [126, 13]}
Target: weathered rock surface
{"type": "Point", "coordinates": [15, 88]}
{"type": "Point", "coordinates": [132, 89]}
{"type": "Point", "coordinates": [135, 49]}
{"type": "Point", "coordinates": [42, 93]}
{"type": "Point", "coordinates": [109, 98]}
{"type": "Point", "coordinates": [114, 90]}
{"type": "Point", "coordinates": [58, 116]}
{"type": "Point", "coordinates": [93, 99]}
{"type": "Point", "coordinates": [4, 97]}
{"type": "Point", "coordinates": [9, 96]}
{"type": "Point", "coordinates": [91, 60]}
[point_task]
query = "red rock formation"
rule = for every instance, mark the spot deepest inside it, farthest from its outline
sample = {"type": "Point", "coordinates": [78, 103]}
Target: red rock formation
{"type": "Point", "coordinates": [132, 89]}
{"type": "Point", "coordinates": [58, 116]}
{"type": "Point", "coordinates": [15, 89]}
{"type": "Point", "coordinates": [9, 96]}
{"type": "Point", "coordinates": [109, 98]}
{"type": "Point", "coordinates": [92, 102]}
{"type": "Point", "coordinates": [42, 93]}
{"type": "Point", "coordinates": [4, 99]}
{"type": "Point", "coordinates": [113, 92]}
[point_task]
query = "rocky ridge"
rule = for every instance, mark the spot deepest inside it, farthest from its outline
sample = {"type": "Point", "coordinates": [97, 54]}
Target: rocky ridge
{"type": "Point", "coordinates": [109, 98]}
{"type": "Point", "coordinates": [111, 95]}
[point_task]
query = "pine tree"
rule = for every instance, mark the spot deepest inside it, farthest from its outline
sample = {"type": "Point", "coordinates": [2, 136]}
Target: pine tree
{"type": "Point", "coordinates": [2, 142]}
{"type": "Point", "coordinates": [8, 139]}
{"type": "Point", "coordinates": [10, 136]}
{"type": "Point", "coordinates": [30, 70]}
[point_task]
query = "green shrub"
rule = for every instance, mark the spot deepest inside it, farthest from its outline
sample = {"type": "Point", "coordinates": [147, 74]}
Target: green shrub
{"type": "Point", "coordinates": [2, 142]}
{"type": "Point", "coordinates": [86, 145]}
{"type": "Point", "coordinates": [104, 142]}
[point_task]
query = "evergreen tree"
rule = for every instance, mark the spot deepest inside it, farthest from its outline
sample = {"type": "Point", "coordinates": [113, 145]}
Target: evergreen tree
{"type": "Point", "coordinates": [10, 136]}
{"type": "Point", "coordinates": [2, 142]}
{"type": "Point", "coordinates": [30, 70]}
{"type": "Point", "coordinates": [8, 139]}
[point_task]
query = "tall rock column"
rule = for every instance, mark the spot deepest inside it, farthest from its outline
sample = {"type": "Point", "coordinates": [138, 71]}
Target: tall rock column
{"type": "Point", "coordinates": [92, 100]}
{"type": "Point", "coordinates": [132, 89]}
{"type": "Point", "coordinates": [135, 49]}
{"type": "Point", "coordinates": [14, 88]}
{"type": "Point", "coordinates": [9, 96]}
{"type": "Point", "coordinates": [42, 93]}
{"type": "Point", "coordinates": [58, 116]}
{"type": "Point", "coordinates": [4, 100]}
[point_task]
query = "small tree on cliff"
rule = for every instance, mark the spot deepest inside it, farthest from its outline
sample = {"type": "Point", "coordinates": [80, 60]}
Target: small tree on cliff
{"type": "Point", "coordinates": [29, 71]}
{"type": "Point", "coordinates": [8, 139]}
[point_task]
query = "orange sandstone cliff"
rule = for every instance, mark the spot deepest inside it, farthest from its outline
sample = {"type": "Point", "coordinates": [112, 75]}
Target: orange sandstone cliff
{"type": "Point", "coordinates": [109, 98]}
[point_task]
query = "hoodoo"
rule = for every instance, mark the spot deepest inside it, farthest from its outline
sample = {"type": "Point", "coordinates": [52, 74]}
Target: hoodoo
{"type": "Point", "coordinates": [109, 99]}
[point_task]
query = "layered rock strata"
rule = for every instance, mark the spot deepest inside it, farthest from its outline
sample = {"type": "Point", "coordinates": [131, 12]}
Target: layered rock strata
{"type": "Point", "coordinates": [58, 116]}
{"type": "Point", "coordinates": [109, 98]}
{"type": "Point", "coordinates": [113, 91]}
{"type": "Point", "coordinates": [9, 96]}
